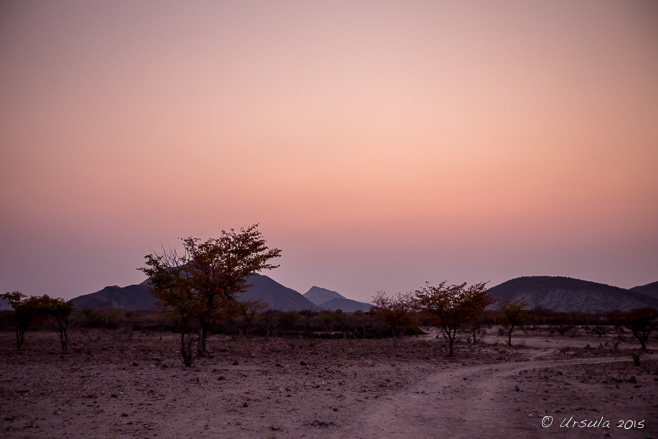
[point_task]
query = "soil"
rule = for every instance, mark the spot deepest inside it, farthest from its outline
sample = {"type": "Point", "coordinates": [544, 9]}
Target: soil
{"type": "Point", "coordinates": [113, 384]}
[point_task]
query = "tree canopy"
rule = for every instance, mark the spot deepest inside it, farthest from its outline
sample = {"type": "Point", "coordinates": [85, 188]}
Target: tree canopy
{"type": "Point", "coordinates": [513, 315]}
{"type": "Point", "coordinates": [454, 305]}
{"type": "Point", "coordinates": [393, 311]}
{"type": "Point", "coordinates": [208, 276]}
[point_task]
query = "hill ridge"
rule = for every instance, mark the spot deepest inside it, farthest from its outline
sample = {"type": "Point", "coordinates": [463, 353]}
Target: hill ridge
{"type": "Point", "coordinates": [566, 294]}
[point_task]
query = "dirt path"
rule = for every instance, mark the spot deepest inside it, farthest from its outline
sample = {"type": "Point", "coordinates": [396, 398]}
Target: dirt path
{"type": "Point", "coordinates": [473, 401]}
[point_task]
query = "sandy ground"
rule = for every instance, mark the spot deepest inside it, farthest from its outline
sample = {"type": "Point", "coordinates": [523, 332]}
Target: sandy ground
{"type": "Point", "coordinates": [111, 385]}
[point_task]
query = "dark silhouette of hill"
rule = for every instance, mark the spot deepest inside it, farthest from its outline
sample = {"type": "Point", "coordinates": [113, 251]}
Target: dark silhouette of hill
{"type": "Point", "coordinates": [331, 300]}
{"type": "Point", "coordinates": [648, 289]}
{"type": "Point", "coordinates": [566, 294]}
{"type": "Point", "coordinates": [115, 297]}
{"type": "Point", "coordinates": [319, 295]}
{"type": "Point", "coordinates": [346, 305]}
{"type": "Point", "coordinates": [277, 296]}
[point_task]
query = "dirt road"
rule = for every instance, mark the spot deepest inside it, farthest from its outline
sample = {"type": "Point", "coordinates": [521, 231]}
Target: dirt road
{"type": "Point", "coordinates": [489, 401]}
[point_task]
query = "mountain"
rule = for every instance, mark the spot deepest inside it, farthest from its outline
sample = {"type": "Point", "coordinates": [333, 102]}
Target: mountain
{"type": "Point", "coordinates": [331, 300]}
{"type": "Point", "coordinates": [346, 305]}
{"type": "Point", "coordinates": [569, 295]}
{"type": "Point", "coordinates": [277, 296]}
{"type": "Point", "coordinates": [4, 305]}
{"type": "Point", "coordinates": [319, 295]}
{"type": "Point", "coordinates": [115, 297]}
{"type": "Point", "coordinates": [648, 289]}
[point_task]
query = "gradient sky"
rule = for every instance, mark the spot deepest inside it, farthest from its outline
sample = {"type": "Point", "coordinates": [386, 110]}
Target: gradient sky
{"type": "Point", "coordinates": [378, 144]}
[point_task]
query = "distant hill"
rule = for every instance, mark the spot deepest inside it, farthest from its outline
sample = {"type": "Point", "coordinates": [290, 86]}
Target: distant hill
{"type": "Point", "coordinates": [115, 297]}
{"type": "Point", "coordinates": [319, 295]}
{"type": "Point", "coordinates": [331, 300]}
{"type": "Point", "coordinates": [346, 305]}
{"type": "Point", "coordinates": [648, 289]}
{"type": "Point", "coordinates": [277, 296]}
{"type": "Point", "coordinates": [4, 305]}
{"type": "Point", "coordinates": [569, 295]}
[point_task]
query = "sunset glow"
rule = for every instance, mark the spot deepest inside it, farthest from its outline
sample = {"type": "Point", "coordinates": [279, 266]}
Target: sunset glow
{"type": "Point", "coordinates": [378, 144]}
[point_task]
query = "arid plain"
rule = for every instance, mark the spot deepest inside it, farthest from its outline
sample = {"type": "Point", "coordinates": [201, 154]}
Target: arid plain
{"type": "Point", "coordinates": [117, 385]}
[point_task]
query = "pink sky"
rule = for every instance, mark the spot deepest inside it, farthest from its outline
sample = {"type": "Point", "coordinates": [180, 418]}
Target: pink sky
{"type": "Point", "coordinates": [378, 144]}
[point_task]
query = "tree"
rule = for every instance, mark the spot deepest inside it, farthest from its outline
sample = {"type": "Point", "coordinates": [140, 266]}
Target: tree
{"type": "Point", "coordinates": [641, 322]}
{"type": "Point", "coordinates": [393, 311]}
{"type": "Point", "coordinates": [25, 311]}
{"type": "Point", "coordinates": [514, 315]}
{"type": "Point", "coordinates": [249, 310]}
{"type": "Point", "coordinates": [288, 319]}
{"type": "Point", "coordinates": [60, 310]}
{"type": "Point", "coordinates": [453, 306]}
{"type": "Point", "coordinates": [208, 277]}
{"type": "Point", "coordinates": [476, 327]}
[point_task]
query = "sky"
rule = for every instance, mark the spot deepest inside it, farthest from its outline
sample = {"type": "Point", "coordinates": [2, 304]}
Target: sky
{"type": "Point", "coordinates": [378, 144]}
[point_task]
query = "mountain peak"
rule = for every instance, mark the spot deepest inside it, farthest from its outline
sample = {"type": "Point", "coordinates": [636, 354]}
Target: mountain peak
{"type": "Point", "coordinates": [319, 295]}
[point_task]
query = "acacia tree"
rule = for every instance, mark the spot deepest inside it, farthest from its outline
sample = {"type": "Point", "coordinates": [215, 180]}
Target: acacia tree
{"type": "Point", "coordinates": [60, 310]}
{"type": "Point", "coordinates": [641, 322]}
{"type": "Point", "coordinates": [249, 310]}
{"type": "Point", "coordinates": [25, 311]}
{"type": "Point", "coordinates": [209, 275]}
{"type": "Point", "coordinates": [393, 311]}
{"type": "Point", "coordinates": [453, 306]}
{"type": "Point", "coordinates": [514, 315]}
{"type": "Point", "coordinates": [476, 328]}
{"type": "Point", "coordinates": [29, 309]}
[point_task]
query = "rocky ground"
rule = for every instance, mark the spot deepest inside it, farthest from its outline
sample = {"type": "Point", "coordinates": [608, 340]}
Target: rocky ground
{"type": "Point", "coordinates": [116, 385]}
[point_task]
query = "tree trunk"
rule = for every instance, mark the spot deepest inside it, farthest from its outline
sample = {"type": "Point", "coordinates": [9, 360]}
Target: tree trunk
{"type": "Point", "coordinates": [452, 334]}
{"type": "Point", "coordinates": [63, 335]}
{"type": "Point", "coordinates": [64, 340]}
{"type": "Point", "coordinates": [20, 336]}
{"type": "Point", "coordinates": [186, 350]}
{"type": "Point", "coordinates": [509, 336]}
{"type": "Point", "coordinates": [203, 332]}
